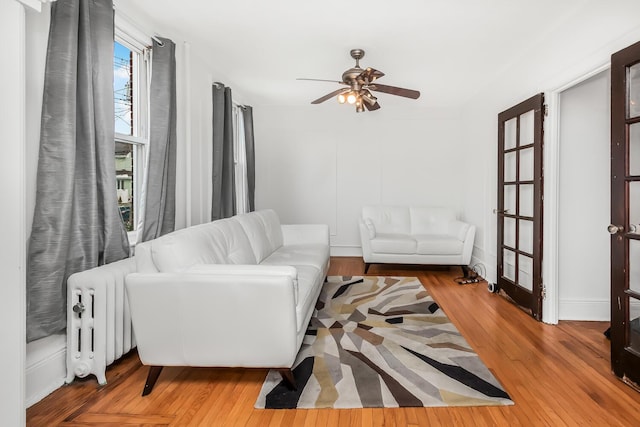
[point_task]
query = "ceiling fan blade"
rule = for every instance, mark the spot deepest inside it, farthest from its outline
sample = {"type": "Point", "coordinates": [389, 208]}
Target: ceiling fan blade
{"type": "Point", "coordinates": [407, 93]}
{"type": "Point", "coordinates": [329, 95]}
{"type": "Point", "coordinates": [370, 74]}
{"type": "Point", "coordinates": [373, 107]}
{"type": "Point", "coordinates": [322, 80]}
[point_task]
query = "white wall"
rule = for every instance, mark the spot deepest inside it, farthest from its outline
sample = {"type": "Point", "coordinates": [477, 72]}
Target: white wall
{"type": "Point", "coordinates": [322, 163]}
{"type": "Point", "coordinates": [584, 200]}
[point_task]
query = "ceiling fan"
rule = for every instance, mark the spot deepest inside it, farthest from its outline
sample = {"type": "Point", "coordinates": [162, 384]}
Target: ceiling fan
{"type": "Point", "coordinates": [360, 83]}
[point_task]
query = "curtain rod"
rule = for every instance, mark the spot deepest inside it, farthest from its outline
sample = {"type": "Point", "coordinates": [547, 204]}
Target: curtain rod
{"type": "Point", "coordinates": [218, 85]}
{"type": "Point", "coordinates": [131, 21]}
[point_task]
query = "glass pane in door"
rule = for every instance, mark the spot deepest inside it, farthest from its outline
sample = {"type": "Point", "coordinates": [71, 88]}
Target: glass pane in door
{"type": "Point", "coordinates": [525, 236]}
{"type": "Point", "coordinates": [526, 164]}
{"type": "Point", "coordinates": [634, 149]}
{"type": "Point", "coordinates": [510, 199]}
{"type": "Point", "coordinates": [526, 200]}
{"type": "Point", "coordinates": [634, 206]}
{"type": "Point", "coordinates": [509, 265]}
{"type": "Point", "coordinates": [634, 324]}
{"type": "Point", "coordinates": [510, 128]}
{"type": "Point", "coordinates": [525, 272]}
{"type": "Point", "coordinates": [526, 128]}
{"type": "Point", "coordinates": [509, 232]}
{"type": "Point", "coordinates": [634, 265]}
{"type": "Point", "coordinates": [510, 166]}
{"type": "Point", "coordinates": [634, 91]}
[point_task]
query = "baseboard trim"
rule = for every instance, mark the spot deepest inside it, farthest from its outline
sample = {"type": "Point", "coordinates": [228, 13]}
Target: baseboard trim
{"type": "Point", "coordinates": [589, 310]}
{"type": "Point", "coordinates": [480, 257]}
{"type": "Point", "coordinates": [46, 368]}
{"type": "Point", "coordinates": [346, 251]}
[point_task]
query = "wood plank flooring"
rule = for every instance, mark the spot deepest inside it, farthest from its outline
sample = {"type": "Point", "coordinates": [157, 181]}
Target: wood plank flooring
{"type": "Point", "coordinates": [557, 376]}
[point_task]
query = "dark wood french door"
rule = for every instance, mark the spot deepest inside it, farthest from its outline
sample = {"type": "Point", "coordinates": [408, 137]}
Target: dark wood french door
{"type": "Point", "coordinates": [519, 210]}
{"type": "Point", "coordinates": [625, 214]}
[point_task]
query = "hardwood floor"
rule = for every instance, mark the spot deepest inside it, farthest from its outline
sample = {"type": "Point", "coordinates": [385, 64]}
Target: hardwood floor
{"type": "Point", "coordinates": [556, 375]}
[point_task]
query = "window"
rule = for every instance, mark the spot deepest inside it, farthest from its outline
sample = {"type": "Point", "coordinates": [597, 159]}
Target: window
{"type": "Point", "coordinates": [131, 138]}
{"type": "Point", "coordinates": [240, 160]}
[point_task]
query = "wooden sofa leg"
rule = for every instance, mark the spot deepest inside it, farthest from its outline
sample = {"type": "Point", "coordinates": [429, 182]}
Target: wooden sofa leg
{"type": "Point", "coordinates": [289, 379]}
{"type": "Point", "coordinates": [465, 271]}
{"type": "Point", "coordinates": [366, 267]}
{"type": "Point", "coordinates": [152, 377]}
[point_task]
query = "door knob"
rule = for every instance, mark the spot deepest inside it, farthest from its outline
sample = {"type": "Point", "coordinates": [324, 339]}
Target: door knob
{"type": "Point", "coordinates": [498, 211]}
{"type": "Point", "coordinates": [613, 229]}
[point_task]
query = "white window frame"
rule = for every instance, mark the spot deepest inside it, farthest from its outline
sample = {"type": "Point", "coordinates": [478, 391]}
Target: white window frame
{"type": "Point", "coordinates": [240, 160]}
{"type": "Point", "coordinates": [141, 75]}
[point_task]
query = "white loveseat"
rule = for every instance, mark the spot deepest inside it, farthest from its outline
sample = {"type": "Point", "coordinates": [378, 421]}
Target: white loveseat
{"type": "Point", "coordinates": [415, 235]}
{"type": "Point", "coordinates": [237, 292]}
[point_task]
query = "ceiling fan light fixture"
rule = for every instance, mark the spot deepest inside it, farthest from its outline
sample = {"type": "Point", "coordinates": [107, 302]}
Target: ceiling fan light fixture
{"type": "Point", "coordinates": [351, 99]}
{"type": "Point", "coordinates": [342, 98]}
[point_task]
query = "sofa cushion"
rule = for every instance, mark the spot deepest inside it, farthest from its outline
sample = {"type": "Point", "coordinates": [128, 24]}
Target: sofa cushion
{"type": "Point", "coordinates": [388, 219]}
{"type": "Point", "coordinates": [371, 228]}
{"type": "Point", "coordinates": [183, 248]}
{"type": "Point", "coordinates": [428, 220]}
{"type": "Point", "coordinates": [254, 227]}
{"type": "Point", "coordinates": [437, 244]}
{"type": "Point", "coordinates": [272, 227]}
{"type": "Point", "coordinates": [263, 230]}
{"type": "Point", "coordinates": [314, 255]}
{"type": "Point", "coordinates": [308, 278]}
{"type": "Point", "coordinates": [393, 244]}
{"type": "Point", "coordinates": [235, 241]}
{"type": "Point", "coordinates": [458, 229]}
{"type": "Point", "coordinates": [248, 270]}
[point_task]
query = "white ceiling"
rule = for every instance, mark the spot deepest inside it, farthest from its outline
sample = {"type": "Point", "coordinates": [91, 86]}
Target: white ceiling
{"type": "Point", "coordinates": [446, 49]}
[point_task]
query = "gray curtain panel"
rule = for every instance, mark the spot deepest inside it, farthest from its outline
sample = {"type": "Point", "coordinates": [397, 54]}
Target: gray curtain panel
{"type": "Point", "coordinates": [223, 202]}
{"type": "Point", "coordinates": [77, 223]}
{"type": "Point", "coordinates": [247, 114]}
{"type": "Point", "coordinates": [160, 185]}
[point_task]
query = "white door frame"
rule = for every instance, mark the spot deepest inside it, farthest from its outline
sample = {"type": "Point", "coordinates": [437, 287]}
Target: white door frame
{"type": "Point", "coordinates": [551, 162]}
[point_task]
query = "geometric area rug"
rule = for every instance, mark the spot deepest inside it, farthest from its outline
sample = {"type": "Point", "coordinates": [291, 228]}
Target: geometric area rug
{"type": "Point", "coordinates": [382, 342]}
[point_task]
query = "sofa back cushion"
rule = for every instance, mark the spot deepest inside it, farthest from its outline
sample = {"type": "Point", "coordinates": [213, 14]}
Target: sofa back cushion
{"type": "Point", "coordinates": [263, 230]}
{"type": "Point", "coordinates": [235, 241]}
{"type": "Point", "coordinates": [218, 242]}
{"type": "Point", "coordinates": [388, 219]}
{"type": "Point", "coordinates": [430, 220]}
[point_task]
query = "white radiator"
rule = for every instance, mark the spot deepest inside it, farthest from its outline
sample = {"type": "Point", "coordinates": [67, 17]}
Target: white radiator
{"type": "Point", "coordinates": [98, 319]}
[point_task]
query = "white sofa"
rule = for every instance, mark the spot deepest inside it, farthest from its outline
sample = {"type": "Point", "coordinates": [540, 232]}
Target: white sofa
{"type": "Point", "coordinates": [237, 292]}
{"type": "Point", "coordinates": [415, 235]}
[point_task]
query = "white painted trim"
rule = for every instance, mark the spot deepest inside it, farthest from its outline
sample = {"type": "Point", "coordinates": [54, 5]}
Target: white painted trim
{"type": "Point", "coordinates": [583, 309]}
{"type": "Point", "coordinates": [550, 306]}
{"type": "Point", "coordinates": [186, 94]}
{"type": "Point", "coordinates": [345, 250]}
{"type": "Point", "coordinates": [129, 31]}
{"type": "Point", "coordinates": [46, 368]}
{"type": "Point", "coordinates": [550, 155]}
{"type": "Point", "coordinates": [33, 4]}
{"type": "Point", "coordinates": [479, 256]}
{"type": "Point", "coordinates": [13, 253]}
